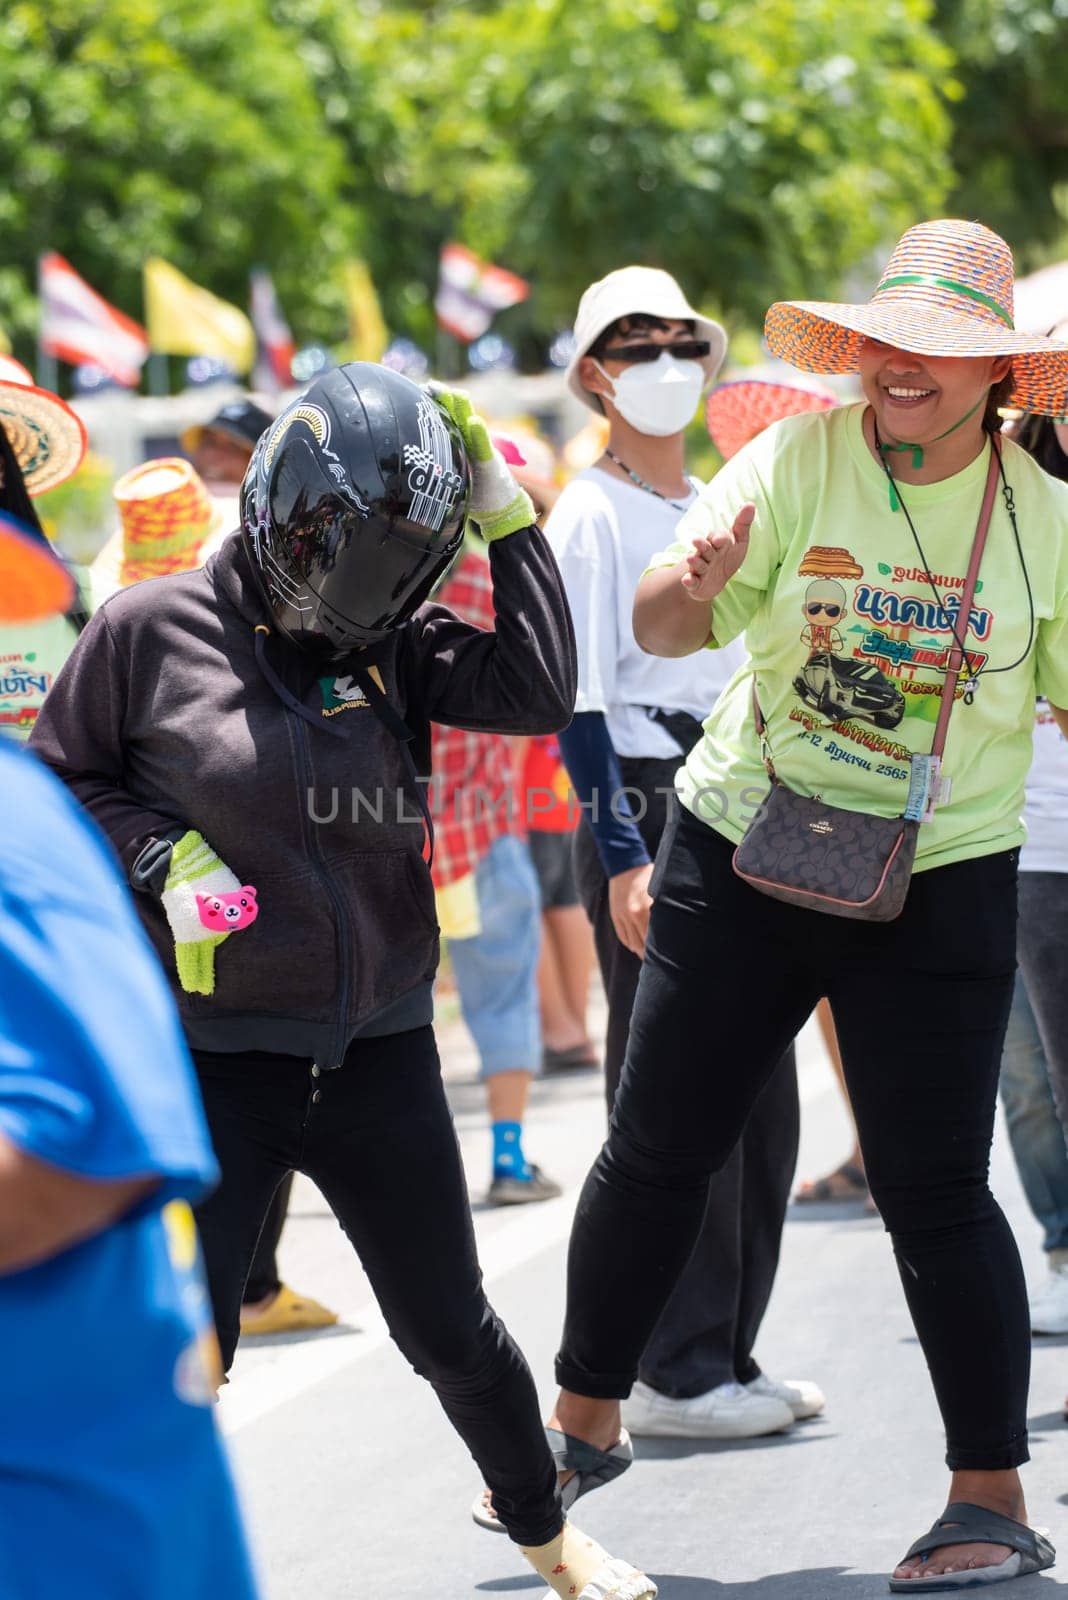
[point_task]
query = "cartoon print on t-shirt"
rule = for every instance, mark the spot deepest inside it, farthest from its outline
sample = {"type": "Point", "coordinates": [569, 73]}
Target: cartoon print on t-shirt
{"type": "Point", "coordinates": [825, 604]}
{"type": "Point", "coordinates": [837, 685]}
{"type": "Point", "coordinates": [879, 655]}
{"type": "Point", "coordinates": [910, 635]}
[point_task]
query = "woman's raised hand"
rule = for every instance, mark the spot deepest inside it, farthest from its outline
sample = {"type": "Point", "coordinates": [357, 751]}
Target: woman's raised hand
{"type": "Point", "coordinates": [716, 559]}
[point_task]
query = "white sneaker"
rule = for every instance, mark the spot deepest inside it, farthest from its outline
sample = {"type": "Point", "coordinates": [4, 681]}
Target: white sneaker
{"type": "Point", "coordinates": [804, 1399]}
{"type": "Point", "coordinates": [729, 1411]}
{"type": "Point", "coordinates": [1049, 1303]}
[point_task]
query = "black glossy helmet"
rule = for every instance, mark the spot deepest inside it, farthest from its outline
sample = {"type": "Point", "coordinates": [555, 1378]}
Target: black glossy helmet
{"type": "Point", "coordinates": [353, 506]}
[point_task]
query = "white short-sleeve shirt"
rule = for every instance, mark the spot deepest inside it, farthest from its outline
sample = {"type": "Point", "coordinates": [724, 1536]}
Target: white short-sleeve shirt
{"type": "Point", "coordinates": [603, 533]}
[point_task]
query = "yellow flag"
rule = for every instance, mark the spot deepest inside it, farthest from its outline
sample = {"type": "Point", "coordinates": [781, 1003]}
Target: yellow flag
{"type": "Point", "coordinates": [185, 320]}
{"type": "Point", "coordinates": [367, 331]}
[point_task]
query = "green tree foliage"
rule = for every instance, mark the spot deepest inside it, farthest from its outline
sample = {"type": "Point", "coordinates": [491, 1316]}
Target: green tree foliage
{"type": "Point", "coordinates": [356, 55]}
{"type": "Point", "coordinates": [167, 127]}
{"type": "Point", "coordinates": [756, 147]}
{"type": "Point", "coordinates": [1010, 128]}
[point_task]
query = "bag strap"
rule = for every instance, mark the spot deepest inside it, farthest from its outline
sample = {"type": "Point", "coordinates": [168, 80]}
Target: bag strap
{"type": "Point", "coordinates": [956, 658]}
{"type": "Point", "coordinates": [682, 726]}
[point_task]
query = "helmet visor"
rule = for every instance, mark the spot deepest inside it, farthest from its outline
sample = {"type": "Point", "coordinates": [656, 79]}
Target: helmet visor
{"type": "Point", "coordinates": [371, 575]}
{"type": "Point", "coordinates": [351, 572]}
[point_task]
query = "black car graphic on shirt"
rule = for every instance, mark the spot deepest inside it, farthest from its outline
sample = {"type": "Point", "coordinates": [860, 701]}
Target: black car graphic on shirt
{"type": "Point", "coordinates": [840, 687]}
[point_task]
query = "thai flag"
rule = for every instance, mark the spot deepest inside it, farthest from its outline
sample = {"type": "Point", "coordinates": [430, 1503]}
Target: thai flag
{"type": "Point", "coordinates": [79, 326]}
{"type": "Point", "coordinates": [471, 291]}
{"type": "Point", "coordinates": [272, 332]}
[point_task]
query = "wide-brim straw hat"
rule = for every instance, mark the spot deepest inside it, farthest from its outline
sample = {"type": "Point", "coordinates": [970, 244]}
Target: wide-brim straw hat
{"type": "Point", "coordinates": [33, 583]}
{"type": "Point", "coordinates": [47, 437]}
{"type": "Point", "coordinates": [168, 523]}
{"type": "Point", "coordinates": [625, 293]}
{"type": "Point", "coordinates": [736, 412]}
{"type": "Point", "coordinates": [946, 291]}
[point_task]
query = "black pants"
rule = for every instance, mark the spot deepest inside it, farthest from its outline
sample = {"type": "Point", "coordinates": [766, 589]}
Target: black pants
{"type": "Point", "coordinates": [263, 1279]}
{"type": "Point", "coordinates": [377, 1138]}
{"type": "Point", "coordinates": [709, 1325]}
{"type": "Point", "coordinates": [1044, 969]}
{"type": "Point", "coordinates": [920, 1005]}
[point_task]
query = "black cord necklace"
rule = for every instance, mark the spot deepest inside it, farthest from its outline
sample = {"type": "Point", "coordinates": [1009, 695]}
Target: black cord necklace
{"type": "Point", "coordinates": [971, 675]}
{"type": "Point", "coordinates": [634, 478]}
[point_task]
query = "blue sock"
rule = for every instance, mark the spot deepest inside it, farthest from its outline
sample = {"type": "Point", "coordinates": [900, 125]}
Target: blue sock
{"type": "Point", "coordinates": [508, 1158]}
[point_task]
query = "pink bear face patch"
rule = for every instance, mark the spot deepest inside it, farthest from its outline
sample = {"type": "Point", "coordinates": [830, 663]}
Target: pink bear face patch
{"type": "Point", "coordinates": [228, 913]}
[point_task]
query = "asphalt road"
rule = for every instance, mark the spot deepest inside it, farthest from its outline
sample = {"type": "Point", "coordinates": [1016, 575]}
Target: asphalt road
{"type": "Point", "coordinates": [357, 1489]}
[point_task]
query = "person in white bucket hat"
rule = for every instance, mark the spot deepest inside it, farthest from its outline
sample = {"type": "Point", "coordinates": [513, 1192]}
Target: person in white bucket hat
{"type": "Point", "coordinates": [653, 295]}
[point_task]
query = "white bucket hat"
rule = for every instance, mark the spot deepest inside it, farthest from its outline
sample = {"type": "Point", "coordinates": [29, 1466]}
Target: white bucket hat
{"type": "Point", "coordinates": [625, 293]}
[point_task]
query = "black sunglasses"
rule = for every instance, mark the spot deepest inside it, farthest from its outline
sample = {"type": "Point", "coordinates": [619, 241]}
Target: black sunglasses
{"type": "Point", "coordinates": [685, 350]}
{"type": "Point", "coordinates": [816, 606]}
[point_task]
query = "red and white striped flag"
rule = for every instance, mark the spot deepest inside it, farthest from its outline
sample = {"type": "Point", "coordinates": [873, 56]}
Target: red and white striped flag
{"type": "Point", "coordinates": [470, 291]}
{"type": "Point", "coordinates": [78, 325]}
{"type": "Point", "coordinates": [272, 332]}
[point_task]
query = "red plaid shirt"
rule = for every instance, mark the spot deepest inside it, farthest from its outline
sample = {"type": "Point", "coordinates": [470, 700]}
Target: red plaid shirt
{"type": "Point", "coordinates": [472, 791]}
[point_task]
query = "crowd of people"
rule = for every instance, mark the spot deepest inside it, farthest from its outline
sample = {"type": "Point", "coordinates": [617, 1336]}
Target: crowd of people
{"type": "Point", "coordinates": [798, 714]}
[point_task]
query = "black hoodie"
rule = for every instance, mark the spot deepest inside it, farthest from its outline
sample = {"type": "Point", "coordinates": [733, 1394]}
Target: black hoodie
{"type": "Point", "coordinates": [172, 713]}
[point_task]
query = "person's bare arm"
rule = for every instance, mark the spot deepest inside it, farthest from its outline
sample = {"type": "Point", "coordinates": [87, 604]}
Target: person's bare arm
{"type": "Point", "coordinates": [673, 605]}
{"type": "Point", "coordinates": [1061, 719]}
{"type": "Point", "coordinates": [44, 1209]}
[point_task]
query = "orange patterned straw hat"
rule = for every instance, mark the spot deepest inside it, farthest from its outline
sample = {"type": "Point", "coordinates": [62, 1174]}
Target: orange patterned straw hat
{"type": "Point", "coordinates": [946, 291]}
{"type": "Point", "coordinates": [167, 517]}
{"type": "Point", "coordinates": [47, 437]}
{"type": "Point", "coordinates": [736, 412]}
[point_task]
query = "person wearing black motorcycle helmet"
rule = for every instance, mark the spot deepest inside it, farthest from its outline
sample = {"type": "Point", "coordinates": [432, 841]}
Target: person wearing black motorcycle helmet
{"type": "Point", "coordinates": [242, 733]}
{"type": "Point", "coordinates": [348, 549]}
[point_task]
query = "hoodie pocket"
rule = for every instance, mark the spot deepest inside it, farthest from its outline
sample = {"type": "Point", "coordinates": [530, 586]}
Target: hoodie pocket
{"type": "Point", "coordinates": [394, 926]}
{"type": "Point", "coordinates": [286, 962]}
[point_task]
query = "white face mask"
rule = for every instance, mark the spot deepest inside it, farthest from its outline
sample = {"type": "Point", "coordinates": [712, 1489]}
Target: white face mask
{"type": "Point", "coordinates": [657, 397]}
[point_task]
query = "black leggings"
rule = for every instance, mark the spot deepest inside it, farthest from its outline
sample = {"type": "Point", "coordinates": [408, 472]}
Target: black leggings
{"type": "Point", "coordinates": [263, 1278]}
{"type": "Point", "coordinates": [377, 1137]}
{"type": "Point", "coordinates": [920, 1005]}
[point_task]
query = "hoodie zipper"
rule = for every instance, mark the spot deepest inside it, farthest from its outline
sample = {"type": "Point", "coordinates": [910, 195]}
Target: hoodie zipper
{"type": "Point", "coordinates": [344, 924]}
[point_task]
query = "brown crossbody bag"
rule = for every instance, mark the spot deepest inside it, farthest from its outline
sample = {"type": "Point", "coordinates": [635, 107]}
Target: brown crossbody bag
{"type": "Point", "coordinates": [848, 863]}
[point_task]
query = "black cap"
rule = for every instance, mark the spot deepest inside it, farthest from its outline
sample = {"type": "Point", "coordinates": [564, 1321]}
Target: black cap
{"type": "Point", "coordinates": [243, 419]}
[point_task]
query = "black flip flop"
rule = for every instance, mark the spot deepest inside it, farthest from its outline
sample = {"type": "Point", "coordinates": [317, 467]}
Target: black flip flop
{"type": "Point", "coordinates": [963, 1523]}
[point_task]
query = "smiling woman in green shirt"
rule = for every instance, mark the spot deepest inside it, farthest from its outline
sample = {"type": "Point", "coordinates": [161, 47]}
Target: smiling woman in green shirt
{"type": "Point", "coordinates": [839, 543]}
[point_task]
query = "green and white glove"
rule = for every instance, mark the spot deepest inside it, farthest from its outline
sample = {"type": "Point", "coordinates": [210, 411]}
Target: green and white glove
{"type": "Point", "coordinates": [498, 505]}
{"type": "Point", "coordinates": [205, 903]}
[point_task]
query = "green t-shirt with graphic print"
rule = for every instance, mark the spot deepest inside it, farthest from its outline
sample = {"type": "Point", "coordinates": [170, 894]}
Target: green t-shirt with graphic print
{"type": "Point", "coordinates": [848, 641]}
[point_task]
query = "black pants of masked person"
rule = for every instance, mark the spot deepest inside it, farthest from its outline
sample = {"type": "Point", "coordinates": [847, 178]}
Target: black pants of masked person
{"type": "Point", "coordinates": [377, 1138]}
{"type": "Point", "coordinates": [1043, 953]}
{"type": "Point", "coordinates": [920, 1005]}
{"type": "Point", "coordinates": [706, 1334]}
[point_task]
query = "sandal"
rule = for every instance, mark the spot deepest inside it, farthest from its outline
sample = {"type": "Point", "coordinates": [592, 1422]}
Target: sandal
{"type": "Point", "coordinates": [577, 1055]}
{"type": "Point", "coordinates": [590, 1468]}
{"type": "Point", "coordinates": [963, 1523]}
{"type": "Point", "coordinates": [852, 1185]}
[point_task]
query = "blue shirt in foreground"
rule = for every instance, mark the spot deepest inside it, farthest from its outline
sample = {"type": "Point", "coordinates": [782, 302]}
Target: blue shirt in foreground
{"type": "Point", "coordinates": [113, 1481]}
